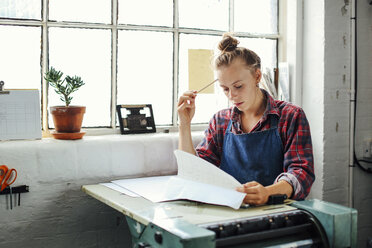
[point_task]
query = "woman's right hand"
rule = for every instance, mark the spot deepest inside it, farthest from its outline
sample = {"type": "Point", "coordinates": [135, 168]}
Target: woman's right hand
{"type": "Point", "coordinates": [186, 107]}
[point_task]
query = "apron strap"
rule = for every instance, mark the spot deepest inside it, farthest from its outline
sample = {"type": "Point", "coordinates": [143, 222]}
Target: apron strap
{"type": "Point", "coordinates": [274, 120]}
{"type": "Point", "coordinates": [229, 126]}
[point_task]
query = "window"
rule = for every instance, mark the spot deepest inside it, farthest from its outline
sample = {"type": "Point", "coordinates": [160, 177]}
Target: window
{"type": "Point", "coordinates": [127, 52]}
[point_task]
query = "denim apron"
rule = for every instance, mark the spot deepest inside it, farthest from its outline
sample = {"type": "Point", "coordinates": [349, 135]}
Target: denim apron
{"type": "Point", "coordinates": [256, 156]}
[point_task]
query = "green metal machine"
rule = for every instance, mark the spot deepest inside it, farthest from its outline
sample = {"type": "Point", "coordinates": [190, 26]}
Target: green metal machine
{"type": "Point", "coordinates": [185, 224]}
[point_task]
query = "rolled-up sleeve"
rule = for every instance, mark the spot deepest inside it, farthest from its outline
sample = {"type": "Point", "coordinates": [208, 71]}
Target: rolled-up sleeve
{"type": "Point", "coordinates": [298, 165]}
{"type": "Point", "coordinates": [210, 148]}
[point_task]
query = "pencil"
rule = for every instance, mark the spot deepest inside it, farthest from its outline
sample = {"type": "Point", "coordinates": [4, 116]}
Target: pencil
{"type": "Point", "coordinates": [207, 85]}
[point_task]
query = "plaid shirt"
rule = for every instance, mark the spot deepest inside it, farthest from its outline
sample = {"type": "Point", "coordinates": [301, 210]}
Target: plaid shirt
{"type": "Point", "coordinates": [294, 131]}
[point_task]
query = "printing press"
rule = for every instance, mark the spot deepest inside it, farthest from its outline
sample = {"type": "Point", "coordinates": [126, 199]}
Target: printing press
{"type": "Point", "coordinates": [186, 224]}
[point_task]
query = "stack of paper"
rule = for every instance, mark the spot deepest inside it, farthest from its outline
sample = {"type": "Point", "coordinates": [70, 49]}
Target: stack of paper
{"type": "Point", "coordinates": [20, 115]}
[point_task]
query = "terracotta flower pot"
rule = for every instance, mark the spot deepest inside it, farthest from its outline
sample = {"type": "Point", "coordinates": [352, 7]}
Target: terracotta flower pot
{"type": "Point", "coordinates": [67, 119]}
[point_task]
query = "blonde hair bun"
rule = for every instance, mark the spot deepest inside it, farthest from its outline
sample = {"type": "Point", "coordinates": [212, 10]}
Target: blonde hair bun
{"type": "Point", "coordinates": [228, 43]}
{"type": "Point", "coordinates": [230, 51]}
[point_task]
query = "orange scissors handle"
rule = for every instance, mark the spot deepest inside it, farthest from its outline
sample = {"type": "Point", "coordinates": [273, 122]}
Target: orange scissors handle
{"type": "Point", "coordinates": [9, 178]}
{"type": "Point", "coordinates": [3, 170]}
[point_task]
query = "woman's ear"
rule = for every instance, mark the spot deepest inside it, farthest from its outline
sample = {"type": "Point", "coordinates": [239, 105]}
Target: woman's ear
{"type": "Point", "coordinates": [258, 76]}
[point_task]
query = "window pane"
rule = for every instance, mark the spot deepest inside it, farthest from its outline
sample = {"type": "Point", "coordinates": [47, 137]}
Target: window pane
{"type": "Point", "coordinates": [256, 16]}
{"type": "Point", "coordinates": [265, 49]}
{"type": "Point", "coordinates": [24, 9]}
{"type": "Point", "coordinates": [204, 14]}
{"type": "Point", "coordinates": [20, 57]}
{"type": "Point", "coordinates": [145, 71]}
{"type": "Point", "coordinates": [98, 11]}
{"type": "Point", "coordinates": [206, 104]}
{"type": "Point", "coordinates": [146, 12]}
{"type": "Point", "coordinates": [88, 55]}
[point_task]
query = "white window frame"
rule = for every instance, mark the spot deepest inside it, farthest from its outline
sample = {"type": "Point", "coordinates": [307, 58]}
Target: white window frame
{"type": "Point", "coordinates": [291, 45]}
{"type": "Point", "coordinates": [114, 27]}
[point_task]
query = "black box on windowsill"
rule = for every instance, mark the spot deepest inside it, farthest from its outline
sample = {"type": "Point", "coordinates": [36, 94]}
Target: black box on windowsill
{"type": "Point", "coordinates": [136, 118]}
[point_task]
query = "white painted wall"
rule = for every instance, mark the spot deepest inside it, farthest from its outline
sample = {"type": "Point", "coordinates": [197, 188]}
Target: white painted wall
{"type": "Point", "coordinates": [313, 72]}
{"type": "Point", "coordinates": [336, 101]}
{"type": "Point", "coordinates": [363, 181]}
{"type": "Point", "coordinates": [56, 213]}
{"type": "Point", "coordinates": [326, 101]}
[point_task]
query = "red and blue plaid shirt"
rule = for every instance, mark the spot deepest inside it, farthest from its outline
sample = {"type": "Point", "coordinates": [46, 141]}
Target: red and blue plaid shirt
{"type": "Point", "coordinates": [294, 131]}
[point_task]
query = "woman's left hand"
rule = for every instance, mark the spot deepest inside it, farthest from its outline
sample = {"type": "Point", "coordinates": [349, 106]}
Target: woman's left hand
{"type": "Point", "coordinates": [256, 194]}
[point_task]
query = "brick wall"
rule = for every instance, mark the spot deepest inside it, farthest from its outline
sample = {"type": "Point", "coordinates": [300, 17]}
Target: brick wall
{"type": "Point", "coordinates": [326, 96]}
{"type": "Point", "coordinates": [363, 181]}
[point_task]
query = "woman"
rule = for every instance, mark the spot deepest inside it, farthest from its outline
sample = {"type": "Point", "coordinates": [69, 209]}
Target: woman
{"type": "Point", "coordinates": [264, 143]}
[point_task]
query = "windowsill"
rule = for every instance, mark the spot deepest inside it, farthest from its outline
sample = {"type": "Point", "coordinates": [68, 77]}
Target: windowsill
{"type": "Point", "coordinates": [106, 134]}
{"type": "Point", "coordinates": [116, 131]}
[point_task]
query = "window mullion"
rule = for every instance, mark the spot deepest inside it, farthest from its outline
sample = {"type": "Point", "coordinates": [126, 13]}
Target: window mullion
{"type": "Point", "coordinates": [44, 64]}
{"type": "Point", "coordinates": [175, 61]}
{"type": "Point", "coordinates": [114, 46]}
{"type": "Point", "coordinates": [231, 15]}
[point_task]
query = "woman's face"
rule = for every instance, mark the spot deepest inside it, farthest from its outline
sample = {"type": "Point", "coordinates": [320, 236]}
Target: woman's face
{"type": "Point", "coordinates": [239, 84]}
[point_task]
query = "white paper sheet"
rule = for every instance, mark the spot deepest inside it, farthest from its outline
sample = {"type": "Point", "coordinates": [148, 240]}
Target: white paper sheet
{"type": "Point", "coordinates": [151, 188]}
{"type": "Point", "coordinates": [120, 189]}
{"type": "Point", "coordinates": [193, 168]}
{"type": "Point", "coordinates": [179, 188]}
{"type": "Point", "coordinates": [197, 180]}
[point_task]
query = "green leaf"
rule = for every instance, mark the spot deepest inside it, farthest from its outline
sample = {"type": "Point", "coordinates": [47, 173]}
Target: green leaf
{"type": "Point", "coordinates": [64, 87]}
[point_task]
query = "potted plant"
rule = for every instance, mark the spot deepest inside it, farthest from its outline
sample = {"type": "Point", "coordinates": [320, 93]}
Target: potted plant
{"type": "Point", "coordinates": [67, 119]}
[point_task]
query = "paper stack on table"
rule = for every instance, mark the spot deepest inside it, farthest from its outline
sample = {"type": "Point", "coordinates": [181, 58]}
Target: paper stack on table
{"type": "Point", "coordinates": [197, 180]}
